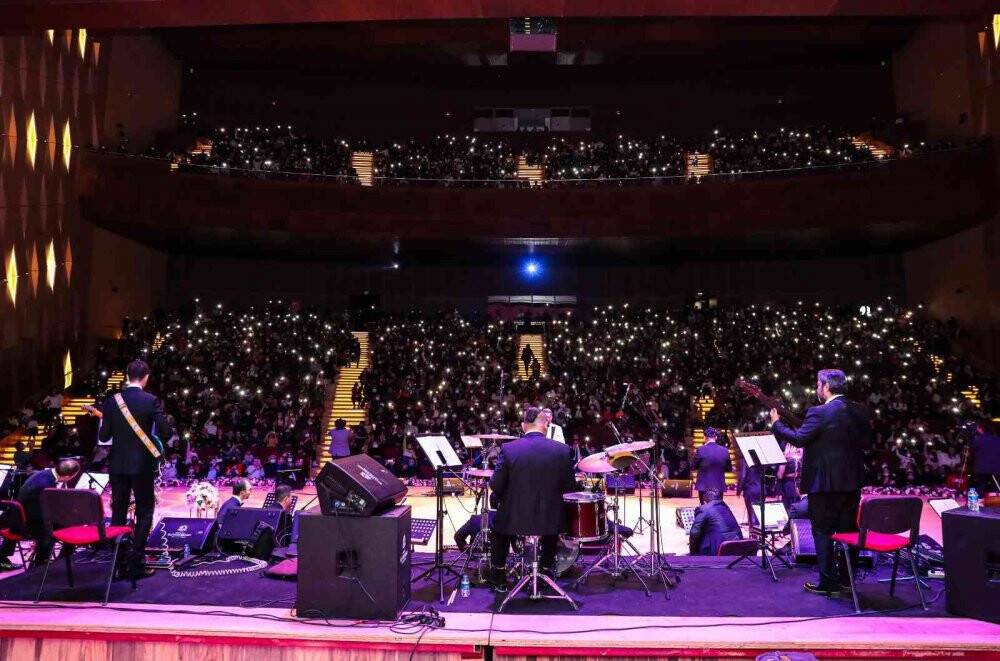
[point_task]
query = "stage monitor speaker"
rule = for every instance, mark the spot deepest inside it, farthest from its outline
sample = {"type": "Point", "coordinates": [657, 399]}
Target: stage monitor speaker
{"type": "Point", "coordinates": [972, 563]}
{"type": "Point", "coordinates": [240, 524]}
{"type": "Point", "coordinates": [803, 544]}
{"type": "Point", "coordinates": [173, 533]}
{"type": "Point", "coordinates": [677, 489]}
{"type": "Point", "coordinates": [354, 567]}
{"type": "Point", "coordinates": [357, 485]}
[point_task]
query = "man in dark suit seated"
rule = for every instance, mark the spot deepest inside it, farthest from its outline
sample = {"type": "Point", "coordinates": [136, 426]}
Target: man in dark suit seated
{"type": "Point", "coordinates": [531, 476]}
{"type": "Point", "coordinates": [835, 435]}
{"type": "Point", "coordinates": [132, 463]}
{"type": "Point", "coordinates": [283, 501]}
{"type": "Point", "coordinates": [712, 462]}
{"type": "Point", "coordinates": [714, 523]}
{"type": "Point", "coordinates": [241, 492]}
{"type": "Point", "coordinates": [30, 497]}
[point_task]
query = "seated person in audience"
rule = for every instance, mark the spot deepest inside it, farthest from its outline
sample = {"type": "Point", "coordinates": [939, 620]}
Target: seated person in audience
{"type": "Point", "coordinates": [714, 523]}
{"type": "Point", "coordinates": [30, 497]}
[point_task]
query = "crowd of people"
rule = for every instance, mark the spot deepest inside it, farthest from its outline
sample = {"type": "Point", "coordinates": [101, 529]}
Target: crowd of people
{"type": "Point", "coordinates": [280, 150]}
{"type": "Point", "coordinates": [246, 388]}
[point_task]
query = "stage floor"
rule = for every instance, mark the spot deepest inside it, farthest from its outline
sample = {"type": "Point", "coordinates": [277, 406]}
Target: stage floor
{"type": "Point", "coordinates": [714, 612]}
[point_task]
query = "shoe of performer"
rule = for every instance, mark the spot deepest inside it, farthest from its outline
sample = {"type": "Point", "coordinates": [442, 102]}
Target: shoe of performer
{"type": "Point", "coordinates": [498, 581]}
{"type": "Point", "coordinates": [7, 565]}
{"type": "Point", "coordinates": [817, 588]}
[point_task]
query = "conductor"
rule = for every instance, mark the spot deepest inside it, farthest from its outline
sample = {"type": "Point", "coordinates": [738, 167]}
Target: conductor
{"type": "Point", "coordinates": [531, 476]}
{"type": "Point", "coordinates": [834, 435]}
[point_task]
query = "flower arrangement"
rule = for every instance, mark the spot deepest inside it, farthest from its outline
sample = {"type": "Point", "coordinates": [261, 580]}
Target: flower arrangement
{"type": "Point", "coordinates": [203, 495]}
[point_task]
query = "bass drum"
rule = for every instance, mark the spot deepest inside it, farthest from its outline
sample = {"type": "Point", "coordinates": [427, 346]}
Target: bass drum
{"type": "Point", "coordinates": [586, 516]}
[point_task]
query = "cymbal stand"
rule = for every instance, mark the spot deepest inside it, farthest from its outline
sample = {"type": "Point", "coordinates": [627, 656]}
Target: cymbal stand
{"type": "Point", "coordinates": [619, 565]}
{"type": "Point", "coordinates": [655, 565]}
{"type": "Point", "coordinates": [480, 544]}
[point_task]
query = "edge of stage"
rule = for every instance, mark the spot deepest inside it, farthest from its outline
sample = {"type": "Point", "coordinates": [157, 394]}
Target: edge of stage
{"type": "Point", "coordinates": [81, 630]}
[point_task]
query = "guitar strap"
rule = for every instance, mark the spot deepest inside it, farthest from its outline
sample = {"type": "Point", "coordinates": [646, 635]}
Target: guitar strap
{"type": "Point", "coordinates": [123, 407]}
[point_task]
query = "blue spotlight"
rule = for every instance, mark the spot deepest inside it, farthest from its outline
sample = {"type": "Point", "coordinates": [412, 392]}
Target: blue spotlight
{"type": "Point", "coordinates": [531, 268]}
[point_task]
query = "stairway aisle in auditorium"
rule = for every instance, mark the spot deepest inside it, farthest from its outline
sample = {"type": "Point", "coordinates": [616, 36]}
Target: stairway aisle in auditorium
{"type": "Point", "coordinates": [533, 174]}
{"type": "Point", "coordinates": [705, 405]}
{"type": "Point", "coordinates": [537, 344]}
{"type": "Point", "coordinates": [879, 149]}
{"type": "Point", "coordinates": [339, 404]}
{"type": "Point", "coordinates": [697, 165]}
{"type": "Point", "coordinates": [72, 407]}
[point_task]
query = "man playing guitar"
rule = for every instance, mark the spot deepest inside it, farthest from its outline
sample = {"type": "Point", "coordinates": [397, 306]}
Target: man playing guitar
{"type": "Point", "coordinates": [131, 420]}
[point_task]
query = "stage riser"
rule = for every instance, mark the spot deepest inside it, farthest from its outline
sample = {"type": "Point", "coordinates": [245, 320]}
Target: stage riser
{"type": "Point", "coordinates": [33, 649]}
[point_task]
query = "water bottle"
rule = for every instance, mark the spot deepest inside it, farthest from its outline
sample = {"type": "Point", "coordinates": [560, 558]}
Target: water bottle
{"type": "Point", "coordinates": [187, 551]}
{"type": "Point", "coordinates": [465, 588]}
{"type": "Point", "coordinates": [972, 500]}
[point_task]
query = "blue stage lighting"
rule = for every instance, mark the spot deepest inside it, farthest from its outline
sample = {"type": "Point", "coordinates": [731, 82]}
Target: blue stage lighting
{"type": "Point", "coordinates": [531, 268]}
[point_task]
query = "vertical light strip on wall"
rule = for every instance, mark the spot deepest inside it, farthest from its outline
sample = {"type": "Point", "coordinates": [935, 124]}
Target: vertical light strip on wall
{"type": "Point", "coordinates": [81, 41]}
{"type": "Point", "coordinates": [34, 270]}
{"type": "Point", "coordinates": [51, 36]}
{"type": "Point", "coordinates": [68, 261]}
{"type": "Point", "coordinates": [67, 145]}
{"type": "Point", "coordinates": [10, 269]}
{"type": "Point", "coordinates": [67, 370]}
{"type": "Point", "coordinates": [31, 139]}
{"type": "Point", "coordinates": [50, 265]}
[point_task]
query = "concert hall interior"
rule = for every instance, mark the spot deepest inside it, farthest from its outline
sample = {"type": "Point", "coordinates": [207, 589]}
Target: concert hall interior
{"type": "Point", "coordinates": [499, 330]}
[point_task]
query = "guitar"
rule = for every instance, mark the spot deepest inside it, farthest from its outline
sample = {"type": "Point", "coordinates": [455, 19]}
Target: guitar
{"type": "Point", "coordinates": [752, 390]}
{"type": "Point", "coordinates": [96, 412]}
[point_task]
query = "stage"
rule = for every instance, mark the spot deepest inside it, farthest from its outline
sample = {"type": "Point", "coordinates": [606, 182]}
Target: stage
{"type": "Point", "coordinates": [713, 612]}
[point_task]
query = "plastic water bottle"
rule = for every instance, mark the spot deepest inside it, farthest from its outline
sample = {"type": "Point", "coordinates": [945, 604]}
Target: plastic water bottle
{"type": "Point", "coordinates": [972, 499]}
{"type": "Point", "coordinates": [187, 551]}
{"type": "Point", "coordinates": [466, 587]}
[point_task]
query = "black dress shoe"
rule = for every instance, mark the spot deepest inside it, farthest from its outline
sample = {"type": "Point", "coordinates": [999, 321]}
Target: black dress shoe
{"type": "Point", "coordinates": [817, 588]}
{"type": "Point", "coordinates": [7, 565]}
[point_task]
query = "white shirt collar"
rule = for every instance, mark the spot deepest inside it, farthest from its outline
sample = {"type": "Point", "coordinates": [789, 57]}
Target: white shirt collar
{"type": "Point", "coordinates": [833, 397]}
{"type": "Point", "coordinates": [134, 385]}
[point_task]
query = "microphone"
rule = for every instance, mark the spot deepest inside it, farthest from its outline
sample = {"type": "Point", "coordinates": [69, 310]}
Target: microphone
{"type": "Point", "coordinates": [614, 430]}
{"type": "Point", "coordinates": [628, 386]}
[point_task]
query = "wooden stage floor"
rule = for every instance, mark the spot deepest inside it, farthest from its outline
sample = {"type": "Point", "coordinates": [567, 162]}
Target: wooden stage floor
{"type": "Point", "coordinates": [138, 632]}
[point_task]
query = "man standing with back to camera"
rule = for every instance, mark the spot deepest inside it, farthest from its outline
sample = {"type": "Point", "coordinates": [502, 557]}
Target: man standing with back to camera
{"type": "Point", "coordinates": [532, 474]}
{"type": "Point", "coordinates": [835, 435]}
{"type": "Point", "coordinates": [133, 462]}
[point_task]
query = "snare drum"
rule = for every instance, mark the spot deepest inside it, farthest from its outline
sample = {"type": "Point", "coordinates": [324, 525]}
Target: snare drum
{"type": "Point", "coordinates": [586, 516]}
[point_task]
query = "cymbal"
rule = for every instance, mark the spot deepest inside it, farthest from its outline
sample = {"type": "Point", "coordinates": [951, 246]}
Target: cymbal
{"type": "Point", "coordinates": [479, 472]}
{"type": "Point", "coordinates": [495, 437]}
{"type": "Point", "coordinates": [595, 463]}
{"type": "Point", "coordinates": [634, 446]}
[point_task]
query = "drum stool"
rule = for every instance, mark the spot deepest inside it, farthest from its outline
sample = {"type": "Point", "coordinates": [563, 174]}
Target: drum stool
{"type": "Point", "coordinates": [533, 577]}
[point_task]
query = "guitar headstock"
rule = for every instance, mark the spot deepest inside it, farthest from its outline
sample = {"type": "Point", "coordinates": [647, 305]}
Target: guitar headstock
{"type": "Point", "coordinates": [749, 388]}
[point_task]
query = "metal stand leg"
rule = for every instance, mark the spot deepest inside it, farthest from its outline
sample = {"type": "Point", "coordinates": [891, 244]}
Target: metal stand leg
{"type": "Point", "coordinates": [533, 577]}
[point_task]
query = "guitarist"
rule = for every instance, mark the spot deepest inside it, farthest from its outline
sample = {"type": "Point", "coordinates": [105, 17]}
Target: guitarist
{"type": "Point", "coordinates": [131, 421]}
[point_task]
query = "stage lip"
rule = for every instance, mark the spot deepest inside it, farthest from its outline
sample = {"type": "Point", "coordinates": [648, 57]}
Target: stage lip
{"type": "Point", "coordinates": [744, 652]}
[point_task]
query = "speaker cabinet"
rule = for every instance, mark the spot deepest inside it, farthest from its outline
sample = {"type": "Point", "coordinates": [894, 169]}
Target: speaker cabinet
{"type": "Point", "coordinates": [354, 567]}
{"type": "Point", "coordinates": [803, 544]}
{"type": "Point", "coordinates": [972, 563]}
{"type": "Point", "coordinates": [173, 533]}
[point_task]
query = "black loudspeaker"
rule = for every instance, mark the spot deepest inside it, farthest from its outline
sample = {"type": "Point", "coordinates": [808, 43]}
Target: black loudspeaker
{"type": "Point", "coordinates": [173, 533]}
{"type": "Point", "coordinates": [803, 544]}
{"type": "Point", "coordinates": [357, 485]}
{"type": "Point", "coordinates": [677, 489]}
{"type": "Point", "coordinates": [240, 523]}
{"type": "Point", "coordinates": [972, 563]}
{"type": "Point", "coordinates": [354, 567]}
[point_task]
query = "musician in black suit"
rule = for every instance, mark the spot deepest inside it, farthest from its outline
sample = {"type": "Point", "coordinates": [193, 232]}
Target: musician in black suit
{"type": "Point", "coordinates": [985, 460]}
{"type": "Point", "coordinates": [714, 523]}
{"type": "Point", "coordinates": [834, 435]}
{"type": "Point", "coordinates": [131, 465]}
{"type": "Point", "coordinates": [712, 462]}
{"type": "Point", "coordinates": [30, 497]}
{"type": "Point", "coordinates": [531, 476]}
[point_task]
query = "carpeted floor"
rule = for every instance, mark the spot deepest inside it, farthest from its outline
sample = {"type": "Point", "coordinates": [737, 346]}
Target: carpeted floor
{"type": "Point", "coordinates": [707, 588]}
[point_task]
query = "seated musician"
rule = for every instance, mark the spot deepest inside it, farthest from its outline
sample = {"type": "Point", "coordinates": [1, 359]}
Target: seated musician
{"type": "Point", "coordinates": [283, 501]}
{"type": "Point", "coordinates": [532, 474]}
{"type": "Point", "coordinates": [241, 493]}
{"type": "Point", "coordinates": [30, 497]}
{"type": "Point", "coordinates": [471, 528]}
{"type": "Point", "coordinates": [714, 523]}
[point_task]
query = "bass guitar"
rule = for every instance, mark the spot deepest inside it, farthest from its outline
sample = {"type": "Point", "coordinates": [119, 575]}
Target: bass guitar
{"type": "Point", "coordinates": [752, 390]}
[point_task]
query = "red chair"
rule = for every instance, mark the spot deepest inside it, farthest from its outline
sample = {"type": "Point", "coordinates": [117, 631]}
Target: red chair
{"type": "Point", "coordinates": [75, 517]}
{"type": "Point", "coordinates": [14, 519]}
{"type": "Point", "coordinates": [881, 523]}
{"type": "Point", "coordinates": [737, 547]}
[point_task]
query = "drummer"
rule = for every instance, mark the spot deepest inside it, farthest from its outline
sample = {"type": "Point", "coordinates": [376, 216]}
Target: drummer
{"type": "Point", "coordinates": [531, 476]}
{"type": "Point", "coordinates": [471, 528]}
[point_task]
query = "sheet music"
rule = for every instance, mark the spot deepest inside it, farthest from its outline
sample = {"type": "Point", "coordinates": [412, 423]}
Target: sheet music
{"type": "Point", "coordinates": [775, 515]}
{"type": "Point", "coordinates": [760, 450]}
{"type": "Point", "coordinates": [95, 481]}
{"type": "Point", "coordinates": [472, 442]}
{"type": "Point", "coordinates": [439, 452]}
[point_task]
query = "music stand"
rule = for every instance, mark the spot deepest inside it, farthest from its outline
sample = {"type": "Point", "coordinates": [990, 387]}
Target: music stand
{"type": "Point", "coordinates": [759, 450]}
{"type": "Point", "coordinates": [442, 457]}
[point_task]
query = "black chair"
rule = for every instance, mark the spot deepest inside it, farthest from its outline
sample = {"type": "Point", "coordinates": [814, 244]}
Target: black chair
{"type": "Point", "coordinates": [13, 522]}
{"type": "Point", "coordinates": [75, 517]}
{"type": "Point", "coordinates": [881, 520]}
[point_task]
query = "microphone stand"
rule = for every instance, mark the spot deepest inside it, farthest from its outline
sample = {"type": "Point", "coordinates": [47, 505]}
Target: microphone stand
{"type": "Point", "coordinates": [658, 568]}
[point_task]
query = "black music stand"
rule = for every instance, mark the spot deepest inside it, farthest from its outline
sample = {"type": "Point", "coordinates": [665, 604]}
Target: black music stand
{"type": "Point", "coordinates": [760, 450]}
{"type": "Point", "coordinates": [443, 458]}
